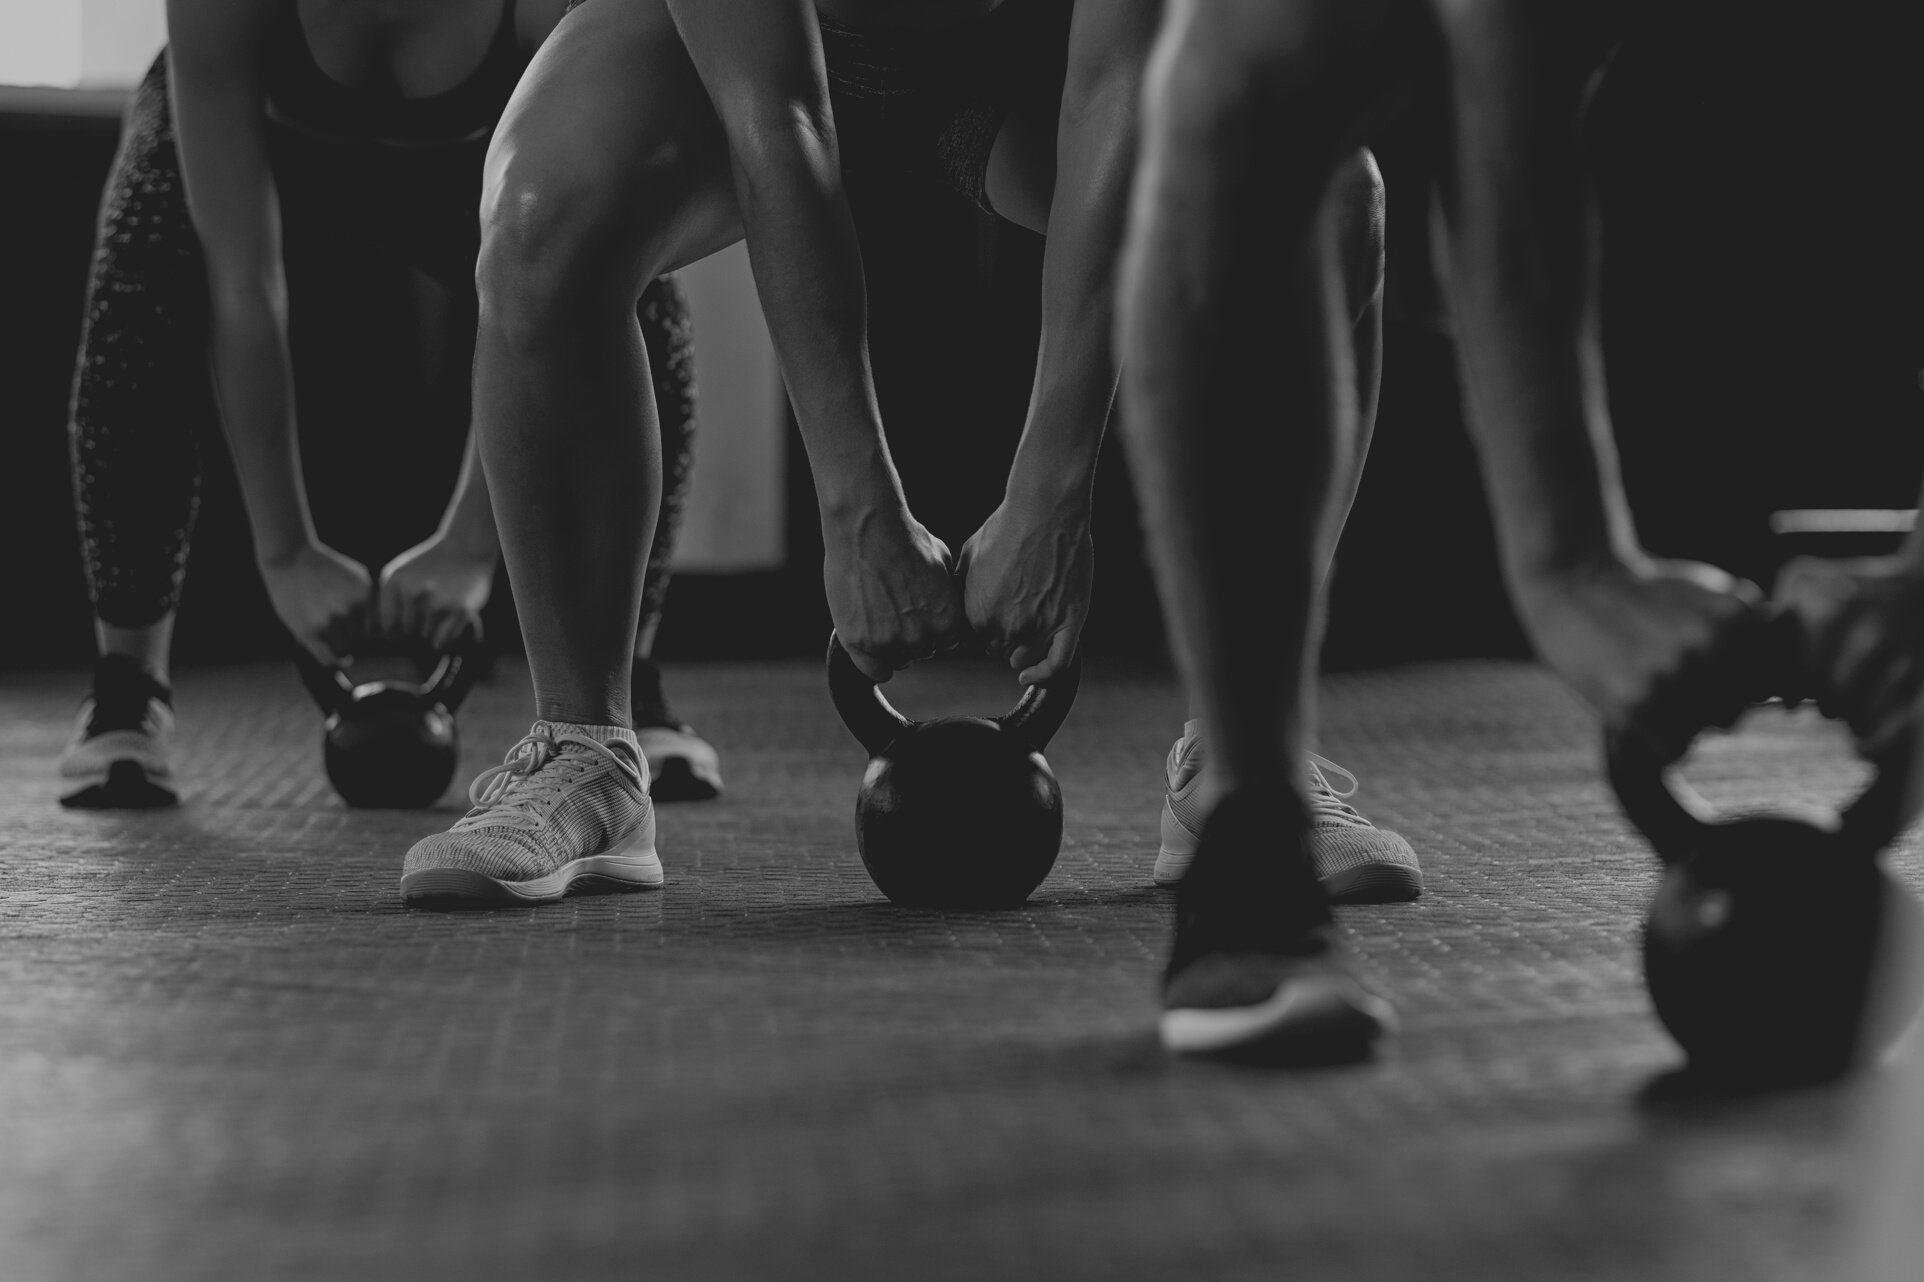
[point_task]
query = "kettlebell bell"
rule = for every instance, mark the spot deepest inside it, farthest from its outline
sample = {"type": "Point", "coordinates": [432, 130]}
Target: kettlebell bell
{"type": "Point", "coordinates": [390, 744]}
{"type": "Point", "coordinates": [1762, 944]}
{"type": "Point", "coordinates": [956, 812]}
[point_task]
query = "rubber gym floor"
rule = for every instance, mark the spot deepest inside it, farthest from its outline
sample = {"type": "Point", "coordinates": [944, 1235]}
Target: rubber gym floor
{"type": "Point", "coordinates": [226, 1050]}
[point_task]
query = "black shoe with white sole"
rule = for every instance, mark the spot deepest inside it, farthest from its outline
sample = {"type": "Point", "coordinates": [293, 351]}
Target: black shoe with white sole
{"type": "Point", "coordinates": [1255, 971]}
{"type": "Point", "coordinates": [682, 766]}
{"type": "Point", "coordinates": [118, 758]}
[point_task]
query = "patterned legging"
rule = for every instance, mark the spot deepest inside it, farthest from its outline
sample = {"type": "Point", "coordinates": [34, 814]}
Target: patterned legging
{"type": "Point", "coordinates": [142, 405]}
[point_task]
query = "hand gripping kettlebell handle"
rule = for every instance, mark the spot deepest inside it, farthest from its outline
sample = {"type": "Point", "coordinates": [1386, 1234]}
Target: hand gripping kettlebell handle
{"type": "Point", "coordinates": [875, 723]}
{"type": "Point", "coordinates": [1044, 706]}
{"type": "Point", "coordinates": [326, 683]}
{"type": "Point", "coordinates": [1679, 823]}
{"type": "Point", "coordinates": [864, 709]}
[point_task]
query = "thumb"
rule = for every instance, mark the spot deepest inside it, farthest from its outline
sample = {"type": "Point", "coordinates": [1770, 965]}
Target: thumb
{"type": "Point", "coordinates": [1062, 648]}
{"type": "Point", "coordinates": [869, 665]}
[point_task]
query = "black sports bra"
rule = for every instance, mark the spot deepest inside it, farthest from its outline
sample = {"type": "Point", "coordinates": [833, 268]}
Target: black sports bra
{"type": "Point", "coordinates": [305, 99]}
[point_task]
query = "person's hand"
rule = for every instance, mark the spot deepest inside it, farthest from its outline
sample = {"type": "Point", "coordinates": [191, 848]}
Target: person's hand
{"type": "Point", "coordinates": [1026, 579]}
{"type": "Point", "coordinates": [322, 597]}
{"type": "Point", "coordinates": [890, 591]}
{"type": "Point", "coordinates": [1863, 625]}
{"type": "Point", "coordinates": [1641, 641]}
{"type": "Point", "coordinates": [435, 591]}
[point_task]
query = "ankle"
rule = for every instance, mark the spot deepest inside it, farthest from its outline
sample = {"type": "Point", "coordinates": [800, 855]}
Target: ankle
{"type": "Point", "coordinates": [125, 677]}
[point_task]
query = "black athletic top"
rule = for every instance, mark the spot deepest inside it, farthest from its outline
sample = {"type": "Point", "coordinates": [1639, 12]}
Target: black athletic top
{"type": "Point", "coordinates": [303, 98]}
{"type": "Point", "coordinates": [377, 168]}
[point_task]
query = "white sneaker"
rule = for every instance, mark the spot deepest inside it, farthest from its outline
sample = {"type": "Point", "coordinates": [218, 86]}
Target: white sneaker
{"type": "Point", "coordinates": [121, 750]}
{"type": "Point", "coordinates": [682, 766]}
{"type": "Point", "coordinates": [1356, 862]}
{"type": "Point", "coordinates": [567, 806]}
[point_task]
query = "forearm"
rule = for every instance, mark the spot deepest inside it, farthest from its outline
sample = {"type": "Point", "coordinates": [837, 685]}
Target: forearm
{"type": "Point", "coordinates": [468, 523]}
{"type": "Point", "coordinates": [808, 271]}
{"type": "Point", "coordinates": [1522, 258]}
{"type": "Point", "coordinates": [1076, 370]}
{"type": "Point", "coordinates": [251, 368]}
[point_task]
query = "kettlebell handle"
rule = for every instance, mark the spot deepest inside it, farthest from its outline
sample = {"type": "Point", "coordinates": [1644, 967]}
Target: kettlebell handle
{"type": "Point", "coordinates": [875, 723]}
{"type": "Point", "coordinates": [454, 675]}
{"type": "Point", "coordinates": [327, 683]}
{"type": "Point", "coordinates": [1679, 823]}
{"type": "Point", "coordinates": [333, 690]}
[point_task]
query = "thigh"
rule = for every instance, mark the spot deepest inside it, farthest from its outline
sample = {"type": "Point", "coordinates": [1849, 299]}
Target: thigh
{"type": "Point", "coordinates": [610, 147]}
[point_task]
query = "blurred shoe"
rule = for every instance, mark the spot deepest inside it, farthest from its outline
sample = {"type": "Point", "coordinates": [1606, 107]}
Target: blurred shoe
{"type": "Point", "coordinates": [682, 765]}
{"type": "Point", "coordinates": [1255, 971]}
{"type": "Point", "coordinates": [1357, 862]}
{"type": "Point", "coordinates": [565, 808]}
{"type": "Point", "coordinates": [119, 757]}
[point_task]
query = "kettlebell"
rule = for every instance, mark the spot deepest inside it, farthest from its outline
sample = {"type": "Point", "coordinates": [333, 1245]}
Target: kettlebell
{"type": "Point", "coordinates": [1762, 944]}
{"type": "Point", "coordinates": [956, 812]}
{"type": "Point", "coordinates": [390, 744]}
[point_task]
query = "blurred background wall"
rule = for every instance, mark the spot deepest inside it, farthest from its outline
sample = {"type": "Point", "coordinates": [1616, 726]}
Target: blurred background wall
{"type": "Point", "coordinates": [1761, 307]}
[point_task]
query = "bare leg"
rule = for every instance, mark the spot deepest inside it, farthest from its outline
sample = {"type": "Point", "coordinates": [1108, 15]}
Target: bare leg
{"type": "Point", "coordinates": [608, 170]}
{"type": "Point", "coordinates": [1235, 302]}
{"type": "Point", "coordinates": [1244, 414]}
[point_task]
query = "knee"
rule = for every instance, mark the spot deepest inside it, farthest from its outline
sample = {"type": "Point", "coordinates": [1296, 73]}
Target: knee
{"type": "Point", "coordinates": [1356, 214]}
{"type": "Point", "coordinates": [537, 265]}
{"type": "Point", "coordinates": [1225, 67]}
{"type": "Point", "coordinates": [561, 250]}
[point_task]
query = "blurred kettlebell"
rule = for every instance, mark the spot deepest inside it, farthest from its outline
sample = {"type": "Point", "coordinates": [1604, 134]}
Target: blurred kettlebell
{"type": "Point", "coordinates": [957, 812]}
{"type": "Point", "coordinates": [1762, 946]}
{"type": "Point", "coordinates": [391, 744]}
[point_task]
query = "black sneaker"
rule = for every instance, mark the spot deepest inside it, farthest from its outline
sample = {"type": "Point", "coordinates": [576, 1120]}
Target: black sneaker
{"type": "Point", "coordinates": [1255, 971]}
{"type": "Point", "coordinates": [118, 758]}
{"type": "Point", "coordinates": [682, 766]}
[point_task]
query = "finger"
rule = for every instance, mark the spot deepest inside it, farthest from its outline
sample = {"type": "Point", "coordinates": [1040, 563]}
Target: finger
{"type": "Point", "coordinates": [1062, 648]}
{"type": "Point", "coordinates": [870, 665]}
{"type": "Point", "coordinates": [1888, 707]}
{"type": "Point", "coordinates": [318, 646]}
{"type": "Point", "coordinates": [451, 628]}
{"type": "Point", "coordinates": [1851, 659]}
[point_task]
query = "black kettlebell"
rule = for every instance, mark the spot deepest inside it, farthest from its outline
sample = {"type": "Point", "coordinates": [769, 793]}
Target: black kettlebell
{"type": "Point", "coordinates": [1762, 943]}
{"type": "Point", "coordinates": [390, 744]}
{"type": "Point", "coordinates": [958, 812]}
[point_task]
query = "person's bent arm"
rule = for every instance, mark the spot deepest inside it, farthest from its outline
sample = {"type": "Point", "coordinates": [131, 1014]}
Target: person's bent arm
{"type": "Point", "coordinates": [220, 126]}
{"type": "Point", "coordinates": [1620, 626]}
{"type": "Point", "coordinates": [888, 581]}
{"type": "Point", "coordinates": [1028, 572]}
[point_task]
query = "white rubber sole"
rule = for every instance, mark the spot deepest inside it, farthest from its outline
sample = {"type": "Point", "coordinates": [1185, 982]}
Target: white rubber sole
{"type": "Point", "coordinates": [91, 761]}
{"type": "Point", "coordinates": [1313, 1012]}
{"type": "Point", "coordinates": [637, 867]}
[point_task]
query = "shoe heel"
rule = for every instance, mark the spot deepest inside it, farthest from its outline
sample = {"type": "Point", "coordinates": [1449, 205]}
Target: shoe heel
{"type": "Point", "coordinates": [1178, 848]}
{"type": "Point", "coordinates": [633, 864]}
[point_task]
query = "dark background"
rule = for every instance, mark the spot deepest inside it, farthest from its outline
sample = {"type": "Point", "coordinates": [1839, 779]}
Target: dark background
{"type": "Point", "coordinates": [1757, 177]}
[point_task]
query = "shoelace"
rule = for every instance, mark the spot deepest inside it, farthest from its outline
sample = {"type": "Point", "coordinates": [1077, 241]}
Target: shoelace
{"type": "Point", "coordinates": [1324, 800]}
{"type": "Point", "coordinates": [531, 778]}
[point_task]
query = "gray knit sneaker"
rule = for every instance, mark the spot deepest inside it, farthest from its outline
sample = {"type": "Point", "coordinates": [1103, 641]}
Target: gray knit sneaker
{"type": "Point", "coordinates": [566, 807]}
{"type": "Point", "coordinates": [1356, 862]}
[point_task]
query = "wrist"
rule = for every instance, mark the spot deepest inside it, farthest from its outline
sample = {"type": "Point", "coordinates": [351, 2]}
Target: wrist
{"type": "Point", "coordinates": [854, 492]}
{"type": "Point", "coordinates": [283, 547]}
{"type": "Point", "coordinates": [470, 540]}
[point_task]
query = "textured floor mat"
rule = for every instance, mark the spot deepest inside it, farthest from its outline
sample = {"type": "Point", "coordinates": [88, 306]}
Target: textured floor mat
{"type": "Point", "coordinates": [226, 1050]}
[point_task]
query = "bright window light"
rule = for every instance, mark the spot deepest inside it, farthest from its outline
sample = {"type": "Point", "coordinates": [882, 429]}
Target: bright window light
{"type": "Point", "coordinates": [40, 43]}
